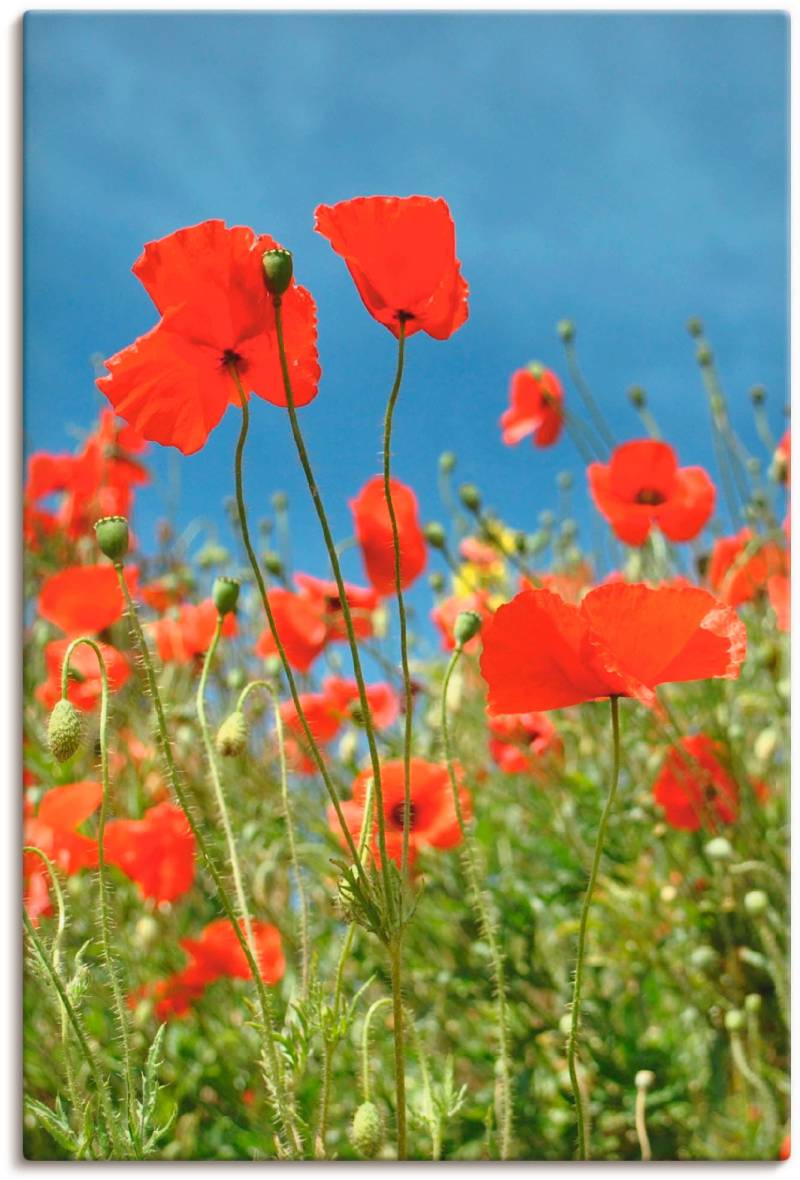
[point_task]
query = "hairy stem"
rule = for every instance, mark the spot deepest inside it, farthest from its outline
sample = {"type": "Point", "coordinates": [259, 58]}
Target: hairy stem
{"type": "Point", "coordinates": [487, 925]}
{"type": "Point", "coordinates": [572, 1044]}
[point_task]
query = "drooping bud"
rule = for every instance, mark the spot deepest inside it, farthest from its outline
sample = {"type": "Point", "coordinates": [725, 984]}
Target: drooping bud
{"type": "Point", "coordinates": [756, 901]}
{"type": "Point", "coordinates": [232, 735]}
{"type": "Point", "coordinates": [470, 497]}
{"type": "Point", "coordinates": [719, 849]}
{"type": "Point", "coordinates": [64, 730]}
{"type": "Point", "coordinates": [566, 330]}
{"type": "Point", "coordinates": [112, 537]}
{"type": "Point", "coordinates": [447, 462]}
{"type": "Point", "coordinates": [225, 595]}
{"type": "Point", "coordinates": [278, 269]}
{"type": "Point", "coordinates": [272, 563]}
{"type": "Point", "coordinates": [734, 1020]}
{"type": "Point", "coordinates": [637, 397]}
{"type": "Point", "coordinates": [366, 1133]}
{"type": "Point", "coordinates": [435, 535]}
{"type": "Point", "coordinates": [466, 626]}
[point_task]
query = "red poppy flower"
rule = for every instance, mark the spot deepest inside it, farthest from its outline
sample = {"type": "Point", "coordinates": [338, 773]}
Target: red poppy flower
{"type": "Point", "coordinates": [540, 652]}
{"type": "Point", "coordinates": [362, 600]}
{"type": "Point", "coordinates": [693, 786]}
{"type": "Point", "coordinates": [401, 253]}
{"type": "Point", "coordinates": [328, 710]}
{"type": "Point", "coordinates": [181, 637]}
{"type": "Point", "coordinates": [342, 696]}
{"type": "Point", "coordinates": [434, 823]}
{"type": "Point", "coordinates": [84, 599]}
{"type": "Point", "coordinates": [567, 584]}
{"type": "Point", "coordinates": [740, 566]}
{"type": "Point", "coordinates": [173, 385]}
{"type": "Point", "coordinates": [374, 534]}
{"type": "Point", "coordinates": [215, 954]}
{"type": "Point", "coordinates": [478, 552]}
{"type": "Point", "coordinates": [301, 623]}
{"type": "Point", "coordinates": [84, 686]}
{"type": "Point", "coordinates": [445, 613]}
{"type": "Point", "coordinates": [643, 486]}
{"type": "Point", "coordinates": [518, 744]}
{"type": "Point", "coordinates": [157, 851]}
{"type": "Point", "coordinates": [37, 526]}
{"type": "Point", "coordinates": [54, 829]}
{"type": "Point", "coordinates": [323, 721]}
{"type": "Point", "coordinates": [537, 408]}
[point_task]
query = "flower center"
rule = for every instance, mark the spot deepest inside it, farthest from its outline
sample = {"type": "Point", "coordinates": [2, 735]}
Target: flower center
{"type": "Point", "coordinates": [397, 815]}
{"type": "Point", "coordinates": [650, 496]}
{"type": "Point", "coordinates": [231, 357]}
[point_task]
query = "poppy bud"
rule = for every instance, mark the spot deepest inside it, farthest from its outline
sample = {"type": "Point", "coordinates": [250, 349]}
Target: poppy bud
{"type": "Point", "coordinates": [719, 849]}
{"type": "Point", "coordinates": [637, 397]}
{"type": "Point", "coordinates": [694, 326]}
{"type": "Point", "coordinates": [277, 270]}
{"type": "Point", "coordinates": [64, 730]}
{"type": "Point", "coordinates": [752, 1002]}
{"type": "Point", "coordinates": [232, 735]}
{"type": "Point", "coordinates": [211, 555]}
{"type": "Point", "coordinates": [536, 369]}
{"type": "Point", "coordinates": [272, 563]}
{"type": "Point", "coordinates": [112, 537]}
{"type": "Point", "coordinates": [644, 1079]}
{"type": "Point", "coordinates": [758, 395]}
{"type": "Point", "coordinates": [434, 534]}
{"type": "Point", "coordinates": [569, 530]}
{"type": "Point", "coordinates": [470, 497]}
{"type": "Point", "coordinates": [447, 462]}
{"type": "Point", "coordinates": [704, 356]}
{"type": "Point", "coordinates": [226, 595]}
{"type": "Point", "coordinates": [366, 1133]}
{"type": "Point", "coordinates": [734, 1020]}
{"type": "Point", "coordinates": [536, 541]}
{"type": "Point", "coordinates": [756, 901]}
{"type": "Point", "coordinates": [564, 480]}
{"type": "Point", "coordinates": [280, 501]}
{"type": "Point", "coordinates": [566, 330]}
{"type": "Point", "coordinates": [466, 626]}
{"type": "Point", "coordinates": [436, 582]}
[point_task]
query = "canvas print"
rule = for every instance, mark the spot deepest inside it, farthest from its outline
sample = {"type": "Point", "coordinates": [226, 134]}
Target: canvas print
{"type": "Point", "coordinates": [407, 587]}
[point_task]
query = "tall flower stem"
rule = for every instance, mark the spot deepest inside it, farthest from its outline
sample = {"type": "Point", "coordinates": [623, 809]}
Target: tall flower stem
{"type": "Point", "coordinates": [120, 1009]}
{"type": "Point", "coordinates": [487, 925]}
{"type": "Point", "coordinates": [572, 1044]}
{"type": "Point", "coordinates": [219, 794]}
{"type": "Point", "coordinates": [399, 1044]}
{"type": "Point", "coordinates": [275, 1083]}
{"type": "Point", "coordinates": [314, 749]}
{"type": "Point", "coordinates": [305, 952]}
{"type": "Point", "coordinates": [330, 545]}
{"type": "Point", "coordinates": [593, 410]}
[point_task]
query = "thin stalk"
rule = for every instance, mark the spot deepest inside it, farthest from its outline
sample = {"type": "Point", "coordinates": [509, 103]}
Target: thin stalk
{"type": "Point", "coordinates": [275, 1086]}
{"type": "Point", "coordinates": [640, 1119]}
{"type": "Point", "coordinates": [88, 1055]}
{"type": "Point", "coordinates": [486, 924]}
{"type": "Point", "coordinates": [760, 1087]}
{"type": "Point", "coordinates": [330, 545]}
{"type": "Point", "coordinates": [120, 1008]}
{"type": "Point", "coordinates": [314, 749]}
{"type": "Point", "coordinates": [592, 409]}
{"type": "Point", "coordinates": [365, 1078]}
{"type": "Point", "coordinates": [572, 1044]}
{"type": "Point", "coordinates": [305, 952]}
{"type": "Point", "coordinates": [434, 1119]}
{"type": "Point", "coordinates": [399, 1046]}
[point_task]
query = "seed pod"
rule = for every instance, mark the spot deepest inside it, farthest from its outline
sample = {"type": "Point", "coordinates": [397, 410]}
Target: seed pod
{"type": "Point", "coordinates": [366, 1133]}
{"type": "Point", "coordinates": [112, 536]}
{"type": "Point", "coordinates": [278, 269]}
{"type": "Point", "coordinates": [470, 497]}
{"type": "Point", "coordinates": [566, 330]}
{"type": "Point", "coordinates": [225, 595]}
{"type": "Point", "coordinates": [232, 735]}
{"type": "Point", "coordinates": [467, 625]}
{"type": "Point", "coordinates": [64, 730]}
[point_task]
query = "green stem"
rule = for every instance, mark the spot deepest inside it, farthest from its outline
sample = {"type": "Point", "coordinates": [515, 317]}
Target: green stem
{"type": "Point", "coordinates": [365, 1072]}
{"type": "Point", "coordinates": [314, 749]}
{"type": "Point", "coordinates": [486, 924]}
{"type": "Point", "coordinates": [80, 1035]}
{"type": "Point", "coordinates": [111, 970]}
{"type": "Point", "coordinates": [592, 409]}
{"type": "Point", "coordinates": [572, 1044]}
{"type": "Point", "coordinates": [284, 1115]}
{"type": "Point", "coordinates": [305, 953]}
{"type": "Point", "coordinates": [330, 545]}
{"type": "Point", "coordinates": [399, 1044]}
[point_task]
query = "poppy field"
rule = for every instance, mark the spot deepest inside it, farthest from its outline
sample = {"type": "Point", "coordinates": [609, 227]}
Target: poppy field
{"type": "Point", "coordinates": [311, 874]}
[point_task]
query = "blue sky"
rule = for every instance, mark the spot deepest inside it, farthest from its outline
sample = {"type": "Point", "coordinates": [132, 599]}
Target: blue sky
{"type": "Point", "coordinates": [625, 170]}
